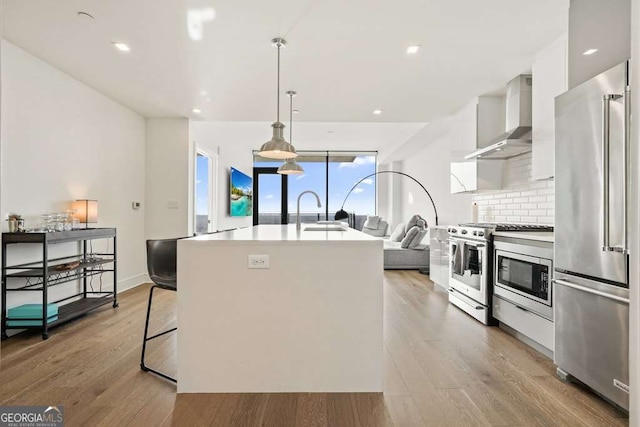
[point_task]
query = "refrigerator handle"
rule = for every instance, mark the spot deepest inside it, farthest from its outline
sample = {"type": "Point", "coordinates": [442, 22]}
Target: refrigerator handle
{"type": "Point", "coordinates": [591, 291]}
{"type": "Point", "coordinates": [625, 168]}
{"type": "Point", "coordinates": [606, 116]}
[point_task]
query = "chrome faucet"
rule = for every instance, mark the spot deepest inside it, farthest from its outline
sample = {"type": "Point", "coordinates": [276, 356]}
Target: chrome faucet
{"type": "Point", "coordinates": [301, 194]}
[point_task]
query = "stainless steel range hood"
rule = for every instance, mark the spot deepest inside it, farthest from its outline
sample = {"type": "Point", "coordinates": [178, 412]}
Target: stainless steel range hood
{"type": "Point", "coordinates": [517, 139]}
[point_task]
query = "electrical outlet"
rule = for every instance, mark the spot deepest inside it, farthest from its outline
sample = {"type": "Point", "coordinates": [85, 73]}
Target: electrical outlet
{"type": "Point", "coordinates": [258, 261]}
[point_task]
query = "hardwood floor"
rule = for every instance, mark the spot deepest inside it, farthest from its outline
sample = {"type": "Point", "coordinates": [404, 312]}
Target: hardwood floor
{"type": "Point", "coordinates": [442, 368]}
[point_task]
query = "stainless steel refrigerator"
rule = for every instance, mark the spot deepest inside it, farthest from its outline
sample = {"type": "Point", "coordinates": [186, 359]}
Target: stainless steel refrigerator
{"type": "Point", "coordinates": [591, 283]}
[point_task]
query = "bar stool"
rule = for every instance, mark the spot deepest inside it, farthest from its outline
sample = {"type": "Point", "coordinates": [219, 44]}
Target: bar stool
{"type": "Point", "coordinates": [161, 264]}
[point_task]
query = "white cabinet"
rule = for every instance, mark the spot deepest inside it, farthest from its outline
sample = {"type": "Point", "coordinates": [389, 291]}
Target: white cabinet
{"type": "Point", "coordinates": [474, 126]}
{"type": "Point", "coordinates": [601, 25]}
{"type": "Point", "coordinates": [476, 174]}
{"type": "Point", "coordinates": [549, 81]}
{"type": "Point", "coordinates": [439, 256]}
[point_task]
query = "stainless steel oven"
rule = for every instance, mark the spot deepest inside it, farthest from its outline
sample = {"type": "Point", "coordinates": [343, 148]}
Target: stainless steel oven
{"type": "Point", "coordinates": [470, 271]}
{"type": "Point", "coordinates": [469, 268]}
{"type": "Point", "coordinates": [522, 274]}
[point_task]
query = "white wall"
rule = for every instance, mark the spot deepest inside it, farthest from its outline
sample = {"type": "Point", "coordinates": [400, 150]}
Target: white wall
{"type": "Point", "coordinates": [429, 163]}
{"type": "Point", "coordinates": [62, 140]}
{"type": "Point", "coordinates": [168, 179]}
{"type": "Point", "coordinates": [234, 142]}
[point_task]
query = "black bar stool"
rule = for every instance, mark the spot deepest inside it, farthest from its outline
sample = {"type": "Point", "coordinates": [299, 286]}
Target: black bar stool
{"type": "Point", "coordinates": [161, 263]}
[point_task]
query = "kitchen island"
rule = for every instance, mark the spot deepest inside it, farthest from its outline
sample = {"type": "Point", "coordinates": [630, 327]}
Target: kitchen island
{"type": "Point", "coordinates": [273, 309]}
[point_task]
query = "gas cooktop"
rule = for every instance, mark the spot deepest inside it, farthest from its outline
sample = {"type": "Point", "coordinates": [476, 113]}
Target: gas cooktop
{"type": "Point", "coordinates": [509, 227]}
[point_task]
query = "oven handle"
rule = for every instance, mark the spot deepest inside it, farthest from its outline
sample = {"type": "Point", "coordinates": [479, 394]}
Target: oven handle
{"type": "Point", "coordinates": [591, 291]}
{"type": "Point", "coordinates": [466, 242]}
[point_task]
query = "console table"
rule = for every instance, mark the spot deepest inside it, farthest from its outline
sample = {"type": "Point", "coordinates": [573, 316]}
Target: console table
{"type": "Point", "coordinates": [39, 276]}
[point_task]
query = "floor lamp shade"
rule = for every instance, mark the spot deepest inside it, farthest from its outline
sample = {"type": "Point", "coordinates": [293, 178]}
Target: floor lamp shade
{"type": "Point", "coordinates": [86, 211]}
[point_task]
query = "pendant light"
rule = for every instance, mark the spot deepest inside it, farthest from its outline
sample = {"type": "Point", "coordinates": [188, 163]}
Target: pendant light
{"type": "Point", "coordinates": [290, 167]}
{"type": "Point", "coordinates": [277, 147]}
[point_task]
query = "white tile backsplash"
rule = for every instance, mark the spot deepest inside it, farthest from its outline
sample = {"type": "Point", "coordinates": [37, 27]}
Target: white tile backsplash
{"type": "Point", "coordinates": [521, 200]}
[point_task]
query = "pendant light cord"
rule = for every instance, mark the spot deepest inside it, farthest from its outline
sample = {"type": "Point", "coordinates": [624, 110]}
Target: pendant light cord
{"type": "Point", "coordinates": [291, 118]}
{"type": "Point", "coordinates": [278, 94]}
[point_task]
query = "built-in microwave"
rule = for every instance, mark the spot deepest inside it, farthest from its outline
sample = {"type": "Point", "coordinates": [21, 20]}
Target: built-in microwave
{"type": "Point", "coordinates": [524, 272]}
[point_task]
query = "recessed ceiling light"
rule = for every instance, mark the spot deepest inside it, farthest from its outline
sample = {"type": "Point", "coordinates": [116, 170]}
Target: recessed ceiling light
{"type": "Point", "coordinates": [122, 47]}
{"type": "Point", "coordinates": [413, 49]}
{"type": "Point", "coordinates": [590, 51]}
{"type": "Point", "coordinates": [296, 111]}
{"type": "Point", "coordinates": [377, 112]}
{"type": "Point", "coordinates": [196, 111]}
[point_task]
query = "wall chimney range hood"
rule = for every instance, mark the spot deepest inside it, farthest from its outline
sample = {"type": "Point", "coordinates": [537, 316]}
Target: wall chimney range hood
{"type": "Point", "coordinates": [517, 139]}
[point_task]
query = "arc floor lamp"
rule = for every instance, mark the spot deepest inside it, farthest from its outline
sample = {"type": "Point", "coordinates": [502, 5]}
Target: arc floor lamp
{"type": "Point", "coordinates": [342, 214]}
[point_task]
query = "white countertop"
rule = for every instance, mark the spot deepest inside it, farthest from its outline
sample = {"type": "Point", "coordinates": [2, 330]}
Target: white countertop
{"type": "Point", "coordinates": [540, 236]}
{"type": "Point", "coordinates": [283, 233]}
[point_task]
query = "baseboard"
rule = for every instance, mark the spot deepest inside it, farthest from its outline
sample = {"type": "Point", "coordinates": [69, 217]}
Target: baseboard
{"type": "Point", "coordinates": [132, 282]}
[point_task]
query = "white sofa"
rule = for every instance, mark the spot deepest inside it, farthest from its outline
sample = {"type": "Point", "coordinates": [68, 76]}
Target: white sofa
{"type": "Point", "coordinates": [396, 257]}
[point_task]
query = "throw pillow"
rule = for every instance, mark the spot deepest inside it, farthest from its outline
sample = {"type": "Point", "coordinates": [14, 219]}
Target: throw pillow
{"type": "Point", "coordinates": [408, 238]}
{"type": "Point", "coordinates": [413, 221]}
{"type": "Point", "coordinates": [372, 222]}
{"type": "Point", "coordinates": [422, 223]}
{"type": "Point", "coordinates": [398, 233]}
{"type": "Point", "coordinates": [417, 240]}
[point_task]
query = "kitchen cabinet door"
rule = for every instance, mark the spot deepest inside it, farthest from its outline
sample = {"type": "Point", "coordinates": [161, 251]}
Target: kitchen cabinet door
{"type": "Point", "coordinates": [549, 81]}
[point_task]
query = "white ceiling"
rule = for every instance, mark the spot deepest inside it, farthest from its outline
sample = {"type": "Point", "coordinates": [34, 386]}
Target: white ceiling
{"type": "Point", "coordinates": [344, 57]}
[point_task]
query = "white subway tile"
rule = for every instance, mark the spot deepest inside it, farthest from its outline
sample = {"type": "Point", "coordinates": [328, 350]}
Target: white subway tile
{"type": "Point", "coordinates": [506, 201]}
{"type": "Point", "coordinates": [514, 206]}
{"type": "Point", "coordinates": [529, 193]}
{"type": "Point", "coordinates": [514, 194]}
{"type": "Point", "coordinates": [513, 219]}
{"type": "Point", "coordinates": [529, 206]}
{"type": "Point", "coordinates": [538, 184]}
{"type": "Point", "coordinates": [538, 212]}
{"type": "Point", "coordinates": [551, 212]}
{"type": "Point", "coordinates": [537, 199]}
{"type": "Point", "coordinates": [545, 191]}
{"type": "Point", "coordinates": [505, 213]}
{"type": "Point", "coordinates": [494, 202]}
{"type": "Point", "coordinates": [546, 205]}
{"type": "Point", "coordinates": [545, 220]}
{"type": "Point", "coordinates": [500, 218]}
{"type": "Point", "coordinates": [551, 183]}
{"type": "Point", "coordinates": [529, 219]}
{"type": "Point", "coordinates": [499, 207]}
{"type": "Point", "coordinates": [521, 212]}
{"type": "Point", "coordinates": [520, 200]}
{"type": "Point", "coordinates": [551, 198]}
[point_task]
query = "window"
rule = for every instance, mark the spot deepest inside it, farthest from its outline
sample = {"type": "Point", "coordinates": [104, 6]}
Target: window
{"type": "Point", "coordinates": [329, 174]}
